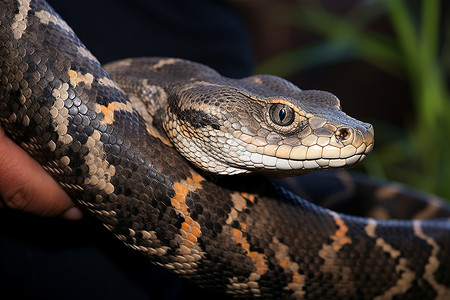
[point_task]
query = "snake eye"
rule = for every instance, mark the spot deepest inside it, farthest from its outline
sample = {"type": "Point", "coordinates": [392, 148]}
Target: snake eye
{"type": "Point", "coordinates": [281, 114]}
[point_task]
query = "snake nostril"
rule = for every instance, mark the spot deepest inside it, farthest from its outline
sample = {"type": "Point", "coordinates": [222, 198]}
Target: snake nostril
{"type": "Point", "coordinates": [343, 134]}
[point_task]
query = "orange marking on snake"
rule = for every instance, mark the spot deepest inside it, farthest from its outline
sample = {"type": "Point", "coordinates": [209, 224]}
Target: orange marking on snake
{"type": "Point", "coordinates": [290, 267]}
{"type": "Point", "coordinates": [77, 77]}
{"type": "Point", "coordinates": [285, 262]}
{"type": "Point", "coordinates": [259, 259]}
{"type": "Point", "coordinates": [182, 189]}
{"type": "Point", "coordinates": [250, 197]}
{"type": "Point", "coordinates": [190, 229]}
{"type": "Point", "coordinates": [108, 111]}
{"type": "Point", "coordinates": [297, 278]}
{"type": "Point", "coordinates": [340, 235]}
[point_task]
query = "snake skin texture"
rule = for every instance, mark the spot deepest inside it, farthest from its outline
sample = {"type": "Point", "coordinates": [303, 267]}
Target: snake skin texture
{"type": "Point", "coordinates": [99, 143]}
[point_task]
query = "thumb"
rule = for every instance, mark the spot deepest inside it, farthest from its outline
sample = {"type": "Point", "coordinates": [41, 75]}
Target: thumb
{"type": "Point", "coordinates": [24, 184]}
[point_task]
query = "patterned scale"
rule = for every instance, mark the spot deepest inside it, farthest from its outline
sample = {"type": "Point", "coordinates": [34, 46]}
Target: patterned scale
{"type": "Point", "coordinates": [99, 141]}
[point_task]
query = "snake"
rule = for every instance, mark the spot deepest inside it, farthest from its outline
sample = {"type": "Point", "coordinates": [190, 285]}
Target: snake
{"type": "Point", "coordinates": [145, 146]}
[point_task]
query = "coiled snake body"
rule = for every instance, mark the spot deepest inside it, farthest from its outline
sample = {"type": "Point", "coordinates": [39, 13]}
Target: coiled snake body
{"type": "Point", "coordinates": [109, 139]}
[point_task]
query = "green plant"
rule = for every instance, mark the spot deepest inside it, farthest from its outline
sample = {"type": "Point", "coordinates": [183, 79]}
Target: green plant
{"type": "Point", "coordinates": [419, 52]}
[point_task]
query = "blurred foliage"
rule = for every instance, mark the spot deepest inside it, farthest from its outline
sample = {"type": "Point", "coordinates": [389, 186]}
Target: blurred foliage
{"type": "Point", "coordinates": [418, 51]}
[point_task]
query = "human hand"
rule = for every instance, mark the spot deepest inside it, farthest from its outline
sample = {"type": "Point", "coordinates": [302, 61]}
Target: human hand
{"type": "Point", "coordinates": [24, 185]}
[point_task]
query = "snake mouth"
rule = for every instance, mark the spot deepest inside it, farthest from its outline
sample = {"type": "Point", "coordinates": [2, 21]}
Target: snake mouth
{"type": "Point", "coordinates": [344, 148]}
{"type": "Point", "coordinates": [330, 158]}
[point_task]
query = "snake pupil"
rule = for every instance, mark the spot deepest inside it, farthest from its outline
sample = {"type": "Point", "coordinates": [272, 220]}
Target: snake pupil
{"type": "Point", "coordinates": [282, 114]}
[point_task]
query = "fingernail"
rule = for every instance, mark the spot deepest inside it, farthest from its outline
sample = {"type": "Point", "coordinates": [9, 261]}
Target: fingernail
{"type": "Point", "coordinates": [73, 213]}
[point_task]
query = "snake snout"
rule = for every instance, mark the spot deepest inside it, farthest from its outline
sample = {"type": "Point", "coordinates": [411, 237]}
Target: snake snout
{"type": "Point", "coordinates": [355, 135]}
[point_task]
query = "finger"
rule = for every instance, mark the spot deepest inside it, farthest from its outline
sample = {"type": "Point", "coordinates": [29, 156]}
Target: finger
{"type": "Point", "coordinates": [24, 184]}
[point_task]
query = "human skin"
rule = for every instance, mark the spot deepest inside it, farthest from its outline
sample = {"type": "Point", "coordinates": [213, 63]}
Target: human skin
{"type": "Point", "coordinates": [24, 185]}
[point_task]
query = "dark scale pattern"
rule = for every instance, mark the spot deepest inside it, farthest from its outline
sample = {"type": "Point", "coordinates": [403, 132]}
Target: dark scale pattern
{"type": "Point", "coordinates": [64, 109]}
{"type": "Point", "coordinates": [438, 242]}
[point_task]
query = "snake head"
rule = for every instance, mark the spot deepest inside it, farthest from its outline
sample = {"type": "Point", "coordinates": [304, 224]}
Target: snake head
{"type": "Point", "coordinates": [264, 124]}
